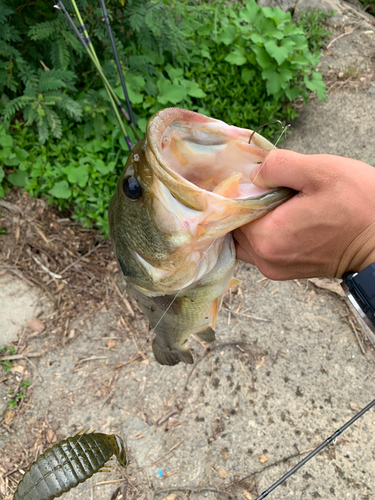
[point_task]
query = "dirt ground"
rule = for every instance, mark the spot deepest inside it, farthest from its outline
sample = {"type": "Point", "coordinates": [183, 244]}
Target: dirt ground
{"type": "Point", "coordinates": [289, 367]}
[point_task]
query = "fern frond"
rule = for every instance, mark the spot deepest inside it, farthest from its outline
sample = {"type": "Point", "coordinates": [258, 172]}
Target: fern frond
{"type": "Point", "coordinates": [6, 50]}
{"type": "Point", "coordinates": [73, 108]}
{"type": "Point", "coordinates": [5, 11]}
{"type": "Point", "coordinates": [43, 132]}
{"type": "Point", "coordinates": [54, 123]}
{"type": "Point", "coordinates": [44, 30]}
{"type": "Point", "coordinates": [60, 54]}
{"type": "Point", "coordinates": [15, 105]}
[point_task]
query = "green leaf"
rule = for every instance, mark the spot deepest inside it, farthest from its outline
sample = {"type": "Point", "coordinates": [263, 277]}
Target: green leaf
{"type": "Point", "coordinates": [247, 75]}
{"type": "Point", "coordinates": [101, 167]}
{"type": "Point", "coordinates": [61, 190]}
{"type": "Point", "coordinates": [237, 57]}
{"type": "Point", "coordinates": [292, 29]}
{"type": "Point", "coordinates": [2, 174]}
{"type": "Point", "coordinates": [170, 92]}
{"type": "Point", "coordinates": [316, 84]}
{"type": "Point", "coordinates": [19, 178]}
{"type": "Point", "coordinates": [11, 160]}
{"type": "Point", "coordinates": [262, 58]}
{"type": "Point", "coordinates": [174, 73]}
{"type": "Point", "coordinates": [256, 38]}
{"type": "Point", "coordinates": [6, 141]}
{"type": "Point", "coordinates": [276, 79]}
{"type": "Point", "coordinates": [134, 86]}
{"type": "Point", "coordinates": [279, 52]}
{"type": "Point", "coordinates": [193, 89]}
{"type": "Point", "coordinates": [142, 124]}
{"type": "Point", "coordinates": [249, 13]}
{"type": "Point", "coordinates": [276, 14]}
{"type": "Point", "coordinates": [299, 59]}
{"type": "Point", "coordinates": [21, 154]}
{"type": "Point", "coordinates": [292, 93]}
{"type": "Point", "coordinates": [227, 35]}
{"type": "Point", "coordinates": [78, 175]}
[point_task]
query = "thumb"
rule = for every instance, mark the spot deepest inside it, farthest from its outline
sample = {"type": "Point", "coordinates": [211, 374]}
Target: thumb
{"type": "Point", "coordinates": [283, 168]}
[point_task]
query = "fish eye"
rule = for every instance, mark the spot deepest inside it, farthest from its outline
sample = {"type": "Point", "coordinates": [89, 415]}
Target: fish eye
{"type": "Point", "coordinates": [131, 187]}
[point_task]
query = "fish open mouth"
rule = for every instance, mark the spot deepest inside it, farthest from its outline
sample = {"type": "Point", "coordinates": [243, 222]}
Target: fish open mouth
{"type": "Point", "coordinates": [208, 153]}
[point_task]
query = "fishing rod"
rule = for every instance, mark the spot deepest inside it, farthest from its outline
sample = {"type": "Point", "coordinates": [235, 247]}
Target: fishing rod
{"type": "Point", "coordinates": [316, 451]}
{"type": "Point", "coordinates": [90, 50]}
{"type": "Point", "coordinates": [118, 64]}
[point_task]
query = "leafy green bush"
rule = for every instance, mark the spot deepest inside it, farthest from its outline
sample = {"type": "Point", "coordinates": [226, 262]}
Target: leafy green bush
{"type": "Point", "coordinates": [79, 176]}
{"type": "Point", "coordinates": [242, 64]}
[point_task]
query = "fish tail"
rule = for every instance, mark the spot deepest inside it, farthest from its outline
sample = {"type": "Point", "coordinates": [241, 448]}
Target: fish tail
{"type": "Point", "coordinates": [170, 358]}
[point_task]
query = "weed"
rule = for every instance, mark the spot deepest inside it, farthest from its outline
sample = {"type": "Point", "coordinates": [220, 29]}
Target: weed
{"type": "Point", "coordinates": [313, 25]}
{"type": "Point", "coordinates": [14, 399]}
{"type": "Point", "coordinates": [6, 364]}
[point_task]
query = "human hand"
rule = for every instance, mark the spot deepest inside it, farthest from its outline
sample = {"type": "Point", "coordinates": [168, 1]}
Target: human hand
{"type": "Point", "coordinates": [326, 229]}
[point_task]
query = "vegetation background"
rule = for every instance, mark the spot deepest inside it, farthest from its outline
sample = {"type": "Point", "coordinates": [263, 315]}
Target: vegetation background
{"type": "Point", "coordinates": [59, 137]}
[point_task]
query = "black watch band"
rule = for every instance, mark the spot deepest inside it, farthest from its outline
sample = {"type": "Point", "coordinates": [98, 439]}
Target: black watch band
{"type": "Point", "coordinates": [360, 289]}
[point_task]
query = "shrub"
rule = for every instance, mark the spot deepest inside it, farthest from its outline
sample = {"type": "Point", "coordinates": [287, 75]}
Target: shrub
{"type": "Point", "coordinates": [242, 64]}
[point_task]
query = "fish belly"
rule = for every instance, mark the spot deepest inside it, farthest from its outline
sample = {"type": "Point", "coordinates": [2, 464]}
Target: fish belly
{"type": "Point", "coordinates": [174, 317]}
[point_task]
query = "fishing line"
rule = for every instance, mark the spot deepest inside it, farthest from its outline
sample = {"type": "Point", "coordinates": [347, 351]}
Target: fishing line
{"type": "Point", "coordinates": [118, 64]}
{"type": "Point", "coordinates": [152, 331]}
{"type": "Point", "coordinates": [316, 451]}
{"type": "Point", "coordinates": [285, 128]}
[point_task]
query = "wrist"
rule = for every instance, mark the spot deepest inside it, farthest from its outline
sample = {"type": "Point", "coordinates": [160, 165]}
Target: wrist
{"type": "Point", "coordinates": [370, 259]}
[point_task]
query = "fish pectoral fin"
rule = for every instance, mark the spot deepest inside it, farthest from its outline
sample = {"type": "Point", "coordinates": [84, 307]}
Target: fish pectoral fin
{"type": "Point", "coordinates": [234, 282]}
{"type": "Point", "coordinates": [171, 358]}
{"type": "Point", "coordinates": [207, 335]}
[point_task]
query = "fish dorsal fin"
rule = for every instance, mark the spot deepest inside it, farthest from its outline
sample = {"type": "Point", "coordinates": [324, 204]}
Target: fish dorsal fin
{"type": "Point", "coordinates": [229, 187]}
{"type": "Point", "coordinates": [207, 335]}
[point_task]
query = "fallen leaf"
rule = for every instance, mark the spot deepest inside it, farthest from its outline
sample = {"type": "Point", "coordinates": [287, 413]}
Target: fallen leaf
{"type": "Point", "coordinates": [18, 368]}
{"type": "Point", "coordinates": [9, 416]}
{"type": "Point", "coordinates": [222, 473]}
{"type": "Point", "coordinates": [260, 362]}
{"type": "Point", "coordinates": [36, 325]}
{"type": "Point", "coordinates": [353, 406]}
{"type": "Point", "coordinates": [224, 452]}
{"type": "Point", "coordinates": [247, 495]}
{"type": "Point", "coordinates": [263, 458]}
{"type": "Point", "coordinates": [111, 344]}
{"type": "Point", "coordinates": [328, 284]}
{"type": "Point", "coordinates": [51, 436]}
{"type": "Point", "coordinates": [170, 497]}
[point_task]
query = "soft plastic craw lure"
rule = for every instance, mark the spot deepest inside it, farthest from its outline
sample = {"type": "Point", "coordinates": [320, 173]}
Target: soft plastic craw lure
{"type": "Point", "coordinates": [68, 463]}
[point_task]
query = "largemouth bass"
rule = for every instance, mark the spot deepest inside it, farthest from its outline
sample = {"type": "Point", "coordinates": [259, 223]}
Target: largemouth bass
{"type": "Point", "coordinates": [184, 188]}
